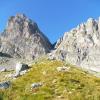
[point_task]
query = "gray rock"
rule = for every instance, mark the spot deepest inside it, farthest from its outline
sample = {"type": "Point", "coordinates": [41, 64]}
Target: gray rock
{"type": "Point", "coordinates": [5, 85]}
{"type": "Point", "coordinates": [21, 69]}
{"type": "Point", "coordinates": [81, 46]}
{"type": "Point", "coordinates": [36, 85]}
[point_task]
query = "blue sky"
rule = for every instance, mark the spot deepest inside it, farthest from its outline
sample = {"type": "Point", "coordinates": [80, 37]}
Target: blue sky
{"type": "Point", "coordinates": [54, 17]}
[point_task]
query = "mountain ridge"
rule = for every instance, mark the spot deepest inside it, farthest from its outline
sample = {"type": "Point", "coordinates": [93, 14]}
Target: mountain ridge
{"type": "Point", "coordinates": [80, 46]}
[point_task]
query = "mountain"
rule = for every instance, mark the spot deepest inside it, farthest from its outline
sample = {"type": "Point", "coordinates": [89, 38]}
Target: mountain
{"type": "Point", "coordinates": [45, 79]}
{"type": "Point", "coordinates": [23, 39]}
{"type": "Point", "coordinates": [81, 46]}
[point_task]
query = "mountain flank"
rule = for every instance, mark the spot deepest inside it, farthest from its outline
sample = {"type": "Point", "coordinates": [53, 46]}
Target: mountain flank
{"type": "Point", "coordinates": [81, 46]}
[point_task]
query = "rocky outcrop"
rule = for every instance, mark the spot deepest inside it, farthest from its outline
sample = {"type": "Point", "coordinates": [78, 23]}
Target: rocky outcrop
{"type": "Point", "coordinates": [81, 46]}
{"type": "Point", "coordinates": [23, 39]}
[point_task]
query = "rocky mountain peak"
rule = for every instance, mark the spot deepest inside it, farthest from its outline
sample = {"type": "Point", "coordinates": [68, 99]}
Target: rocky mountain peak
{"type": "Point", "coordinates": [22, 38]}
{"type": "Point", "coordinates": [20, 25]}
{"type": "Point", "coordinates": [81, 45]}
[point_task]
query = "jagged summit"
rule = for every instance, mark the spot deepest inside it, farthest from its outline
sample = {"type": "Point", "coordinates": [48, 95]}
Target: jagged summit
{"type": "Point", "coordinates": [81, 45]}
{"type": "Point", "coordinates": [23, 39]}
{"type": "Point", "coordinates": [20, 25]}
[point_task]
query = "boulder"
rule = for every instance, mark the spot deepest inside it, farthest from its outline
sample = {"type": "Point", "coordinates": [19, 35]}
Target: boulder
{"type": "Point", "coordinates": [5, 85]}
{"type": "Point", "coordinates": [20, 67]}
{"type": "Point", "coordinates": [36, 85]}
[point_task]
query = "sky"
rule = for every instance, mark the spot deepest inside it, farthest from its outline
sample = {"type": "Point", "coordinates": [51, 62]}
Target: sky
{"type": "Point", "coordinates": [54, 17]}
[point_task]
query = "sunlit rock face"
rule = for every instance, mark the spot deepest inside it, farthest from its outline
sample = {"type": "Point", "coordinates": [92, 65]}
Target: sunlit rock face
{"type": "Point", "coordinates": [23, 39]}
{"type": "Point", "coordinates": [81, 46]}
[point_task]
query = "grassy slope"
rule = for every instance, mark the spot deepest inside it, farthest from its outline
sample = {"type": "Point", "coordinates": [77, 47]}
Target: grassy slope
{"type": "Point", "coordinates": [72, 85]}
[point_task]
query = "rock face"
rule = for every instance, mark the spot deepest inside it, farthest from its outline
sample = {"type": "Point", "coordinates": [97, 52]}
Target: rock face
{"type": "Point", "coordinates": [81, 46]}
{"type": "Point", "coordinates": [23, 39]}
